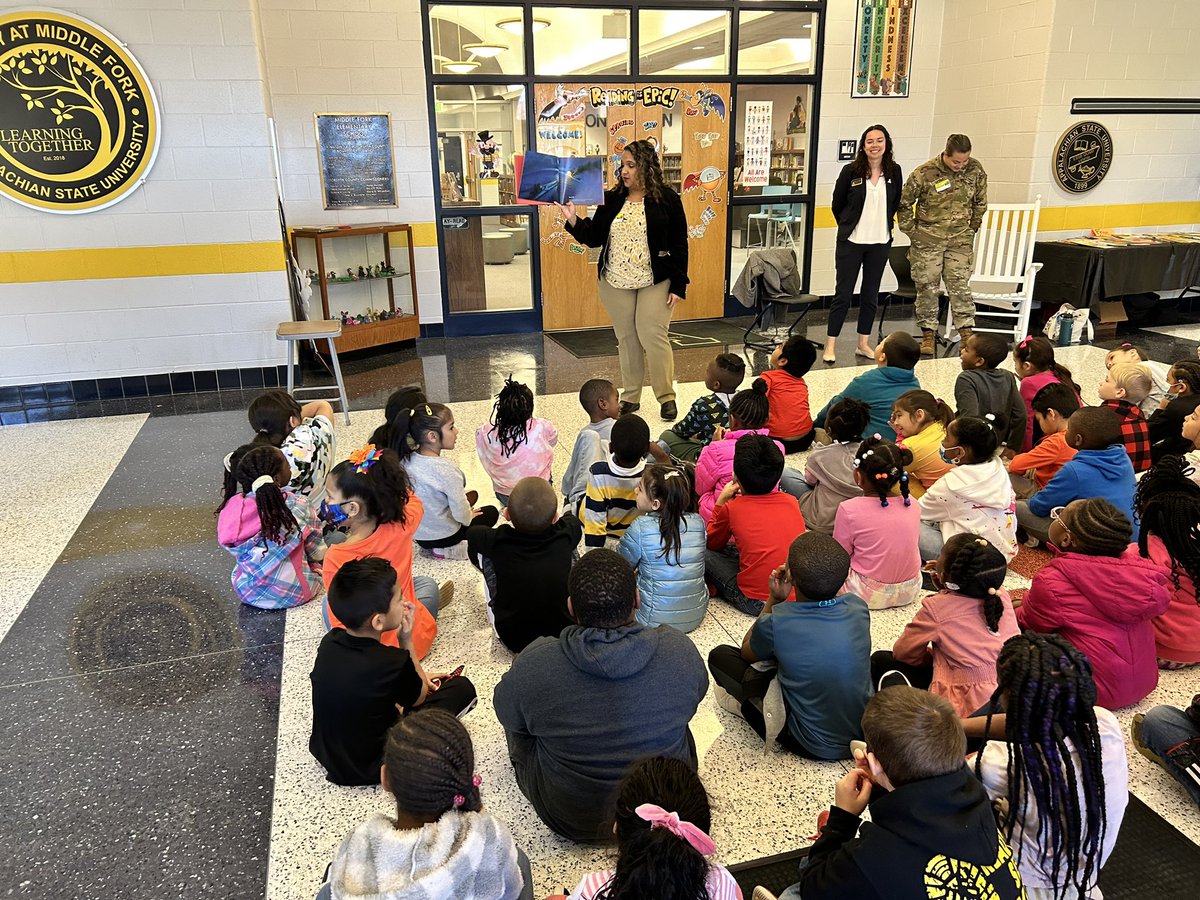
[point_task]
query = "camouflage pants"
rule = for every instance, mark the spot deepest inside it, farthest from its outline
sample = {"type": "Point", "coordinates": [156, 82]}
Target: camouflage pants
{"type": "Point", "coordinates": [933, 262]}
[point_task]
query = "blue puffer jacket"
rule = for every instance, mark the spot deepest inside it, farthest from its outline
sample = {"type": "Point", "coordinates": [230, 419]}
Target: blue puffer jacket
{"type": "Point", "coordinates": [672, 593]}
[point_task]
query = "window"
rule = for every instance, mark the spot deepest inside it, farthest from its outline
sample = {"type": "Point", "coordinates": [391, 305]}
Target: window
{"type": "Point", "coordinates": [776, 43]}
{"type": "Point", "coordinates": [479, 127]}
{"type": "Point", "coordinates": [788, 137]}
{"type": "Point", "coordinates": [683, 42]}
{"type": "Point", "coordinates": [581, 41]}
{"type": "Point", "coordinates": [475, 40]}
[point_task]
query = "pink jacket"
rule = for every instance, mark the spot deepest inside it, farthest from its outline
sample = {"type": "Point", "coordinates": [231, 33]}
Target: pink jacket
{"type": "Point", "coordinates": [532, 459]}
{"type": "Point", "coordinates": [714, 469]}
{"type": "Point", "coordinates": [1177, 631]}
{"type": "Point", "coordinates": [963, 651]}
{"type": "Point", "coordinates": [1103, 605]}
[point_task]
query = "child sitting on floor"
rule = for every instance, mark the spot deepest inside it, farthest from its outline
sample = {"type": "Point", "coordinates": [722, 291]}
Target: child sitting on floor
{"type": "Point", "coordinates": [951, 644]}
{"type": "Point", "coordinates": [686, 438]}
{"type": "Point", "coordinates": [1166, 423]}
{"type": "Point", "coordinates": [1159, 374]}
{"type": "Point", "coordinates": [1033, 358]}
{"type": "Point", "coordinates": [405, 399]}
{"type": "Point", "coordinates": [662, 824]}
{"type": "Point", "coordinates": [599, 400]}
{"type": "Point", "coordinates": [515, 444]}
{"type": "Point", "coordinates": [983, 387]}
{"type": "Point", "coordinates": [881, 535]}
{"type": "Point", "coordinates": [748, 413]}
{"type": "Point", "coordinates": [921, 420]}
{"type": "Point", "coordinates": [829, 470]}
{"type": "Point", "coordinates": [610, 501]}
{"type": "Point", "coordinates": [974, 497]}
{"type": "Point", "coordinates": [895, 358]}
{"type": "Point", "coordinates": [812, 700]}
{"type": "Point", "coordinates": [1100, 595]}
{"type": "Point", "coordinates": [369, 496]}
{"type": "Point", "coordinates": [759, 520]}
{"type": "Point", "coordinates": [525, 565]}
{"type": "Point", "coordinates": [1122, 389]}
{"type": "Point", "coordinates": [1058, 765]}
{"type": "Point", "coordinates": [791, 421]}
{"type": "Point", "coordinates": [271, 533]}
{"type": "Point", "coordinates": [439, 482]}
{"type": "Point", "coordinates": [441, 843]}
{"type": "Point", "coordinates": [1168, 505]}
{"type": "Point", "coordinates": [1032, 471]}
{"type": "Point", "coordinates": [932, 831]}
{"type": "Point", "coordinates": [358, 681]}
{"type": "Point", "coordinates": [1099, 468]}
{"type": "Point", "coordinates": [303, 433]}
{"type": "Point", "coordinates": [671, 590]}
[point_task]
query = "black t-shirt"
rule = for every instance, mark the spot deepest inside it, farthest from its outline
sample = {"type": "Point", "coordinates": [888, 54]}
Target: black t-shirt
{"type": "Point", "coordinates": [529, 599]}
{"type": "Point", "coordinates": [356, 684]}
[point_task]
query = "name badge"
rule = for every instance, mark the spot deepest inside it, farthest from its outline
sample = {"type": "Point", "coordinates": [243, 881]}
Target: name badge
{"type": "Point", "coordinates": [857, 182]}
{"type": "Point", "coordinates": [942, 184]}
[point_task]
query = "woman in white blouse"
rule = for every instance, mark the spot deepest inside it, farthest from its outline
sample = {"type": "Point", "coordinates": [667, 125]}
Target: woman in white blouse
{"type": "Point", "coordinates": [865, 199]}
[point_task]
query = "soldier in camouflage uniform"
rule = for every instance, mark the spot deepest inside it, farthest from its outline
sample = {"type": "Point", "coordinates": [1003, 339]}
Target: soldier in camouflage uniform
{"type": "Point", "coordinates": [941, 208]}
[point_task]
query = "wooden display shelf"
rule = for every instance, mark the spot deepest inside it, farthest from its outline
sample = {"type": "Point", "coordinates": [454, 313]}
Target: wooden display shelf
{"type": "Point", "coordinates": [373, 334]}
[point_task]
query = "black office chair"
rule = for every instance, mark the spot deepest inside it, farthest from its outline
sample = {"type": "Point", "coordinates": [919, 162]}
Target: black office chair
{"type": "Point", "coordinates": [781, 304]}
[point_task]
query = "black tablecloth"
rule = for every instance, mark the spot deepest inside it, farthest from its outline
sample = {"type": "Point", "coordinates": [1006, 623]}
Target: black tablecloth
{"type": "Point", "coordinates": [1084, 276]}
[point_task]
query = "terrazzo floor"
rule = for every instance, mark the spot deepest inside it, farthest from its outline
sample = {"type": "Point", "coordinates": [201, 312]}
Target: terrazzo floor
{"type": "Point", "coordinates": [165, 753]}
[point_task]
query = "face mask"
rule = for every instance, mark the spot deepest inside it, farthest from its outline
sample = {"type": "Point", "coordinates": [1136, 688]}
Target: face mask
{"type": "Point", "coordinates": [332, 513]}
{"type": "Point", "coordinates": [947, 460]}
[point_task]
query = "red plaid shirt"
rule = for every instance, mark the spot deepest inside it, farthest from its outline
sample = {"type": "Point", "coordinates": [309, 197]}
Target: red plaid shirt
{"type": "Point", "coordinates": [1135, 432]}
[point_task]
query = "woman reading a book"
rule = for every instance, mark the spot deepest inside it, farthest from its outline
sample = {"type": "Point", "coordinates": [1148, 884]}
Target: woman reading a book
{"type": "Point", "coordinates": [642, 270]}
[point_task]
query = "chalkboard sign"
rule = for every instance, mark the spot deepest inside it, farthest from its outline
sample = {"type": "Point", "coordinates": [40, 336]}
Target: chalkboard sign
{"type": "Point", "coordinates": [355, 154]}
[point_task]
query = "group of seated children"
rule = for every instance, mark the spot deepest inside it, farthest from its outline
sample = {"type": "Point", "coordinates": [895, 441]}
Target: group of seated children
{"type": "Point", "coordinates": [873, 511]}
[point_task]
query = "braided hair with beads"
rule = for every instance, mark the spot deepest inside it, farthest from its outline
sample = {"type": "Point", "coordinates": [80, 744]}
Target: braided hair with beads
{"type": "Point", "coordinates": [975, 568]}
{"type": "Point", "coordinates": [1168, 506]}
{"type": "Point", "coordinates": [1096, 527]}
{"type": "Point", "coordinates": [511, 414]}
{"type": "Point", "coordinates": [881, 464]}
{"type": "Point", "coordinates": [431, 765]}
{"type": "Point", "coordinates": [257, 473]}
{"type": "Point", "coordinates": [1050, 722]}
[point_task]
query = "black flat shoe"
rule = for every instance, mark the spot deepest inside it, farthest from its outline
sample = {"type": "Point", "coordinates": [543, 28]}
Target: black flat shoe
{"type": "Point", "coordinates": [627, 408]}
{"type": "Point", "coordinates": [669, 411]}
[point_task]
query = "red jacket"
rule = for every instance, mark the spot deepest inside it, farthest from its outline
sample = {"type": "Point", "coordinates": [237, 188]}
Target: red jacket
{"type": "Point", "coordinates": [1135, 432]}
{"type": "Point", "coordinates": [1104, 606]}
{"type": "Point", "coordinates": [763, 526]}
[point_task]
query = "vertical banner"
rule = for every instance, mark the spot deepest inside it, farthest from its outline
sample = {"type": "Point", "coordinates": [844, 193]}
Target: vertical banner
{"type": "Point", "coordinates": [883, 37]}
{"type": "Point", "coordinates": [756, 143]}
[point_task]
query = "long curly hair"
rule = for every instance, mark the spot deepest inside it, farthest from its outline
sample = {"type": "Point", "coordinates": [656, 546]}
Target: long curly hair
{"type": "Point", "coordinates": [645, 157]}
{"type": "Point", "coordinates": [1050, 701]}
{"type": "Point", "coordinates": [511, 414]}
{"type": "Point", "coordinates": [862, 168]}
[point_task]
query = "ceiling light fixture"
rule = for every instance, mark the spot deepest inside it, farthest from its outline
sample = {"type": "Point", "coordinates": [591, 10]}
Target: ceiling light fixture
{"type": "Point", "coordinates": [486, 49]}
{"type": "Point", "coordinates": [516, 26]}
{"type": "Point", "coordinates": [462, 66]}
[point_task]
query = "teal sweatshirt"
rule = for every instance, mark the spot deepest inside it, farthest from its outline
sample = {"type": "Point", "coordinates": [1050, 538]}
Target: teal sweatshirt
{"type": "Point", "coordinates": [879, 389]}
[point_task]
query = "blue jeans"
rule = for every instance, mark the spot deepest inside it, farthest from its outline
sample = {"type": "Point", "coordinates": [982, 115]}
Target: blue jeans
{"type": "Point", "coordinates": [722, 567]}
{"type": "Point", "coordinates": [793, 482]}
{"type": "Point", "coordinates": [931, 541]}
{"type": "Point", "coordinates": [424, 587]}
{"type": "Point", "coordinates": [1164, 728]}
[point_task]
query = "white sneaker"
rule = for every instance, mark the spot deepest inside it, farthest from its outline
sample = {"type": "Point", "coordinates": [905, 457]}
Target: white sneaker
{"type": "Point", "coordinates": [727, 701]}
{"type": "Point", "coordinates": [893, 678]}
{"type": "Point", "coordinates": [456, 551]}
{"type": "Point", "coordinates": [445, 594]}
{"type": "Point", "coordinates": [761, 893]}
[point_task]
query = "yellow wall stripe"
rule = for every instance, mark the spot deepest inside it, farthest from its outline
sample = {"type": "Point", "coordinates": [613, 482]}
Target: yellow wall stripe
{"type": "Point", "coordinates": [137, 262]}
{"type": "Point", "coordinates": [1081, 218]}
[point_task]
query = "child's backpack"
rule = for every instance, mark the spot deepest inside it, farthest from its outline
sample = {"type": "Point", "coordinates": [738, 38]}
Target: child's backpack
{"type": "Point", "coordinates": [1068, 326]}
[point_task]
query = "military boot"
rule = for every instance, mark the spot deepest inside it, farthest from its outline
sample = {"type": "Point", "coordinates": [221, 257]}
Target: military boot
{"type": "Point", "coordinates": [964, 335]}
{"type": "Point", "coordinates": [928, 342]}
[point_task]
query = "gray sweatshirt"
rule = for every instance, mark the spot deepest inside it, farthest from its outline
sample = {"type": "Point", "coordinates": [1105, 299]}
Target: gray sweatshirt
{"type": "Point", "coordinates": [442, 487]}
{"type": "Point", "coordinates": [978, 392]}
{"type": "Point", "coordinates": [591, 446]}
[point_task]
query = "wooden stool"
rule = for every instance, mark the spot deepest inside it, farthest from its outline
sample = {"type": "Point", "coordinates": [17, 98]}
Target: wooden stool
{"type": "Point", "coordinates": [312, 332]}
{"type": "Point", "coordinates": [520, 238]}
{"type": "Point", "coordinates": [498, 248]}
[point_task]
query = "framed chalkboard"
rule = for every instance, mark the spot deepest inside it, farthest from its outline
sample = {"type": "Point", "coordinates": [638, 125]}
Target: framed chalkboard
{"type": "Point", "coordinates": [355, 155]}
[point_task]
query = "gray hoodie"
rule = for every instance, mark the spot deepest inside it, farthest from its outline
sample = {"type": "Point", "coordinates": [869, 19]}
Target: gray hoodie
{"type": "Point", "coordinates": [579, 708]}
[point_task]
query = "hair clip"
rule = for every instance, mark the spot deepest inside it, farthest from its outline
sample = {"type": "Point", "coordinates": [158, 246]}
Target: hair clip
{"type": "Point", "coordinates": [882, 476]}
{"type": "Point", "coordinates": [686, 831]}
{"type": "Point", "coordinates": [228, 461]}
{"type": "Point", "coordinates": [428, 411]}
{"type": "Point", "coordinates": [476, 780]}
{"type": "Point", "coordinates": [877, 436]}
{"type": "Point", "coordinates": [264, 431]}
{"type": "Point", "coordinates": [365, 457]}
{"type": "Point", "coordinates": [883, 501]}
{"type": "Point", "coordinates": [937, 400]}
{"type": "Point", "coordinates": [981, 542]}
{"type": "Point", "coordinates": [261, 480]}
{"type": "Point", "coordinates": [459, 800]}
{"type": "Point", "coordinates": [950, 585]}
{"type": "Point", "coordinates": [672, 473]}
{"type": "Point", "coordinates": [868, 453]}
{"type": "Point", "coordinates": [993, 592]}
{"type": "Point", "coordinates": [1126, 346]}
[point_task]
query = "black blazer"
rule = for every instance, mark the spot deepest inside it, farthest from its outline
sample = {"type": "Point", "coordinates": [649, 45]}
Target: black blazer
{"type": "Point", "coordinates": [849, 195]}
{"type": "Point", "coordinates": [666, 233]}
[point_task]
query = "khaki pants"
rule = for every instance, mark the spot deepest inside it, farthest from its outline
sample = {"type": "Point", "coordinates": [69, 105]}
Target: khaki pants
{"type": "Point", "coordinates": [641, 320]}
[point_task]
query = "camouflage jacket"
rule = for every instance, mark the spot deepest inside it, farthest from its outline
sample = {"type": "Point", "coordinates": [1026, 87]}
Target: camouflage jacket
{"type": "Point", "coordinates": [942, 204]}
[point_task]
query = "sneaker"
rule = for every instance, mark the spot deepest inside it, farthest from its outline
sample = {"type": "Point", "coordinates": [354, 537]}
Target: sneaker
{"type": "Point", "coordinates": [727, 701]}
{"type": "Point", "coordinates": [1139, 743]}
{"type": "Point", "coordinates": [928, 342]}
{"type": "Point", "coordinates": [761, 893]}
{"type": "Point", "coordinates": [892, 678]}
{"type": "Point", "coordinates": [445, 594]}
{"type": "Point", "coordinates": [456, 551]}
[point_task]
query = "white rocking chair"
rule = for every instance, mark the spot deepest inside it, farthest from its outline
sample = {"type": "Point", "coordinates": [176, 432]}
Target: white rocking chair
{"type": "Point", "coordinates": [1005, 272]}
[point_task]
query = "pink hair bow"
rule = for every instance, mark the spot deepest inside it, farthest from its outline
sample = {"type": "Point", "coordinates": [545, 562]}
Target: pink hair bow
{"type": "Point", "coordinates": [660, 818]}
{"type": "Point", "coordinates": [1025, 341]}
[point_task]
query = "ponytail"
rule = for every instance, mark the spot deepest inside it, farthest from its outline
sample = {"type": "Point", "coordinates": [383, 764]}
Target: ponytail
{"type": "Point", "coordinates": [975, 568]}
{"type": "Point", "coordinates": [934, 408]}
{"type": "Point", "coordinates": [256, 474]}
{"type": "Point", "coordinates": [271, 415]}
{"type": "Point", "coordinates": [229, 485]}
{"type": "Point", "coordinates": [882, 465]}
{"type": "Point", "coordinates": [1037, 351]}
{"type": "Point", "coordinates": [414, 422]}
{"type": "Point", "coordinates": [674, 489]}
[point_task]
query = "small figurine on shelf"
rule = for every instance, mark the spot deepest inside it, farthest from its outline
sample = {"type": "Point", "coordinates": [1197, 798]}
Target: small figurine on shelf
{"type": "Point", "coordinates": [378, 272]}
{"type": "Point", "coordinates": [386, 269]}
{"type": "Point", "coordinates": [310, 274]}
{"type": "Point", "coordinates": [344, 317]}
{"type": "Point", "coordinates": [362, 273]}
{"type": "Point", "coordinates": [350, 274]}
{"type": "Point", "coordinates": [333, 276]}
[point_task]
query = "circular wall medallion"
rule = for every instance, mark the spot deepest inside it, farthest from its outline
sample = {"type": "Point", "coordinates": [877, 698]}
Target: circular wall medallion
{"type": "Point", "coordinates": [78, 118]}
{"type": "Point", "coordinates": [1083, 157]}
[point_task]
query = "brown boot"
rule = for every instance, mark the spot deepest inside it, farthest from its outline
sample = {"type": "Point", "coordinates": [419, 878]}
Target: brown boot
{"type": "Point", "coordinates": [928, 342]}
{"type": "Point", "coordinates": [964, 335]}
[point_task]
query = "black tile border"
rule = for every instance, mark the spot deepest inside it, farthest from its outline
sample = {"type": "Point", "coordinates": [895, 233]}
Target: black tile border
{"type": "Point", "coordinates": [56, 400]}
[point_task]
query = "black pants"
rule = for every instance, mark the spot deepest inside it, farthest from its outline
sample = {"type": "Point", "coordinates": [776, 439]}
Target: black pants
{"type": "Point", "coordinates": [488, 516]}
{"type": "Point", "coordinates": [883, 661]}
{"type": "Point", "coordinates": [796, 445]}
{"type": "Point", "coordinates": [747, 684]}
{"type": "Point", "coordinates": [848, 258]}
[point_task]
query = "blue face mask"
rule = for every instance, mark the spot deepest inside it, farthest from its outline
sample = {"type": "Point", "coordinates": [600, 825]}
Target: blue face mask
{"type": "Point", "coordinates": [947, 460]}
{"type": "Point", "coordinates": [332, 513]}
